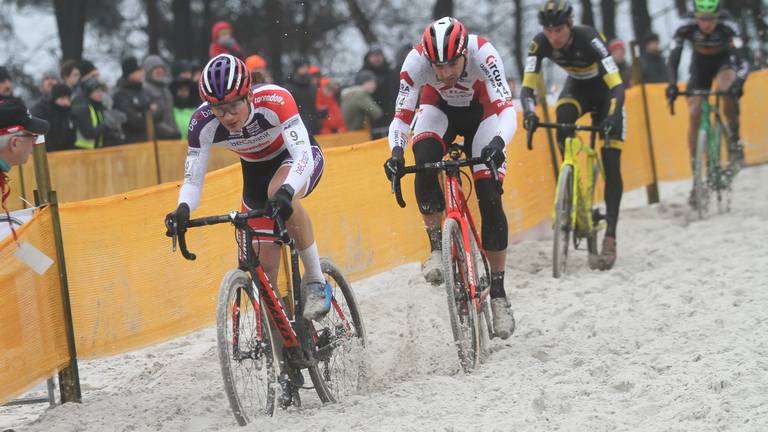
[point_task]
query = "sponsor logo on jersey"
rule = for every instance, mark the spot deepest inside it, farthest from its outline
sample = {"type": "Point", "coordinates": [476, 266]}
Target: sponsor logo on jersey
{"type": "Point", "coordinates": [600, 47]}
{"type": "Point", "coordinates": [610, 65]}
{"type": "Point", "coordinates": [490, 59]}
{"type": "Point", "coordinates": [533, 47]}
{"type": "Point", "coordinates": [496, 79]}
{"type": "Point", "coordinates": [530, 64]}
{"type": "Point", "coordinates": [301, 165]}
{"type": "Point", "coordinates": [269, 98]}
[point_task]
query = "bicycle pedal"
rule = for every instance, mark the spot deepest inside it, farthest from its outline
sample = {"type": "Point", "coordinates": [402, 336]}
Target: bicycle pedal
{"type": "Point", "coordinates": [597, 216]}
{"type": "Point", "coordinates": [286, 391]}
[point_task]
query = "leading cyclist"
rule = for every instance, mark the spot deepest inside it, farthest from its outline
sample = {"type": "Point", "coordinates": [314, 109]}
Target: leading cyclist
{"type": "Point", "coordinates": [281, 164]}
{"type": "Point", "coordinates": [593, 85]}
{"type": "Point", "coordinates": [463, 91]}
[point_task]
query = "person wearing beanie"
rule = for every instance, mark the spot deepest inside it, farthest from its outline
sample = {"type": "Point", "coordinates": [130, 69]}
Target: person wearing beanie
{"type": "Point", "coordinates": [652, 61]}
{"type": "Point", "coordinates": [619, 53]}
{"type": "Point", "coordinates": [132, 100]}
{"type": "Point", "coordinates": [88, 70]}
{"type": "Point", "coordinates": [157, 85]}
{"type": "Point", "coordinates": [49, 79]}
{"type": "Point", "coordinates": [223, 41]}
{"type": "Point", "coordinates": [357, 103]}
{"type": "Point", "coordinates": [57, 109]}
{"type": "Point", "coordinates": [96, 124]}
{"type": "Point", "coordinates": [258, 68]}
{"type": "Point", "coordinates": [186, 99]}
{"type": "Point", "coordinates": [70, 73]}
{"type": "Point", "coordinates": [305, 94]}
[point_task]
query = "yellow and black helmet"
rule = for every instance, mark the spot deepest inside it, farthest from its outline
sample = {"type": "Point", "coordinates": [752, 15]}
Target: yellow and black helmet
{"type": "Point", "coordinates": [555, 13]}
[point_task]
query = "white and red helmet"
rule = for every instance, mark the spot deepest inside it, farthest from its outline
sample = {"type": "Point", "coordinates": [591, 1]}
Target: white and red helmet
{"type": "Point", "coordinates": [444, 40]}
{"type": "Point", "coordinates": [224, 78]}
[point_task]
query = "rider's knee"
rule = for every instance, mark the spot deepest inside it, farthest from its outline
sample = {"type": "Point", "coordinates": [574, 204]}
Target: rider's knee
{"type": "Point", "coordinates": [428, 149]}
{"type": "Point", "coordinates": [494, 230]}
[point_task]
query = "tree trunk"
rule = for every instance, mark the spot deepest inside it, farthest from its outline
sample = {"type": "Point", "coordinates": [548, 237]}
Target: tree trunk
{"type": "Point", "coordinates": [608, 10]}
{"type": "Point", "coordinates": [682, 7]}
{"type": "Point", "coordinates": [305, 38]}
{"type": "Point", "coordinates": [587, 16]}
{"type": "Point", "coordinates": [517, 43]}
{"type": "Point", "coordinates": [153, 18]}
{"type": "Point", "coordinates": [442, 8]}
{"type": "Point", "coordinates": [182, 29]}
{"type": "Point", "coordinates": [362, 22]}
{"type": "Point", "coordinates": [641, 20]}
{"type": "Point", "coordinates": [70, 18]}
{"type": "Point", "coordinates": [275, 39]}
{"type": "Point", "coordinates": [205, 32]}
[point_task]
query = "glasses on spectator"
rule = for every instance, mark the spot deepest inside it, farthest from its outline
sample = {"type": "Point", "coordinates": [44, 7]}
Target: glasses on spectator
{"type": "Point", "coordinates": [227, 108]}
{"type": "Point", "coordinates": [27, 136]}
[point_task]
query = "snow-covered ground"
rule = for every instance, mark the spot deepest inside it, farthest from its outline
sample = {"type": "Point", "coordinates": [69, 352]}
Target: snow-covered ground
{"type": "Point", "coordinates": [675, 338]}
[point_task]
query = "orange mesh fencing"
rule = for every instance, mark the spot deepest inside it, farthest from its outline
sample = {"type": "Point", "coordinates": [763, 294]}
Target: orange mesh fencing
{"type": "Point", "coordinates": [33, 342]}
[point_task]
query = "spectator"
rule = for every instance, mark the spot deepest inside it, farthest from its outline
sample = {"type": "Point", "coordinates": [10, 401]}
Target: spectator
{"type": "Point", "coordinates": [327, 101]}
{"type": "Point", "coordinates": [94, 125]}
{"type": "Point", "coordinates": [70, 73]}
{"type": "Point", "coordinates": [258, 68]}
{"type": "Point", "coordinates": [619, 54]}
{"type": "Point", "coordinates": [305, 95]}
{"type": "Point", "coordinates": [387, 86]}
{"type": "Point", "coordinates": [185, 69]}
{"type": "Point", "coordinates": [57, 110]}
{"type": "Point", "coordinates": [186, 99]}
{"type": "Point", "coordinates": [6, 83]}
{"type": "Point", "coordinates": [18, 134]}
{"type": "Point", "coordinates": [131, 99]}
{"type": "Point", "coordinates": [49, 80]}
{"type": "Point", "coordinates": [88, 70]}
{"type": "Point", "coordinates": [652, 62]}
{"type": "Point", "coordinates": [223, 41]}
{"type": "Point", "coordinates": [359, 108]}
{"type": "Point", "coordinates": [157, 86]}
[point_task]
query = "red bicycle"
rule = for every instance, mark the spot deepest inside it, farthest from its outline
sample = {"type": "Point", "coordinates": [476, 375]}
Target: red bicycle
{"type": "Point", "coordinates": [465, 265]}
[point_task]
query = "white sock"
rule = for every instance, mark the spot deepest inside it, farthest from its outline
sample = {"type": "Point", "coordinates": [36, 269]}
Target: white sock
{"type": "Point", "coordinates": [311, 260]}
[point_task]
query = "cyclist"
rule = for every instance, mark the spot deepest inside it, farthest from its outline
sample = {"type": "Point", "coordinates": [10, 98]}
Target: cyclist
{"type": "Point", "coordinates": [593, 85]}
{"type": "Point", "coordinates": [281, 163]}
{"type": "Point", "coordinates": [463, 91]}
{"type": "Point", "coordinates": [717, 54]}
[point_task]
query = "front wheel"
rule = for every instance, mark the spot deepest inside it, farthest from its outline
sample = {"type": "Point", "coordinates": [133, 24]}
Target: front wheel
{"type": "Point", "coordinates": [461, 307]}
{"type": "Point", "coordinates": [700, 193]}
{"type": "Point", "coordinates": [562, 223]}
{"type": "Point", "coordinates": [247, 349]}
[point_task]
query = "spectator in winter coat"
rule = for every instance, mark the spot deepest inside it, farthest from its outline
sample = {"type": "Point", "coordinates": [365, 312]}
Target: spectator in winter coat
{"type": "Point", "coordinates": [132, 100]}
{"type": "Point", "coordinates": [258, 68]}
{"type": "Point", "coordinates": [223, 41]}
{"type": "Point", "coordinates": [18, 136]}
{"type": "Point", "coordinates": [156, 85]}
{"type": "Point", "coordinates": [186, 99]}
{"type": "Point", "coordinates": [357, 104]}
{"type": "Point", "coordinates": [57, 109]}
{"type": "Point", "coordinates": [387, 86]}
{"type": "Point", "coordinates": [305, 94]}
{"type": "Point", "coordinates": [619, 53]}
{"type": "Point", "coordinates": [69, 73]}
{"type": "Point", "coordinates": [652, 62]}
{"type": "Point", "coordinates": [49, 80]}
{"type": "Point", "coordinates": [327, 101]}
{"type": "Point", "coordinates": [88, 70]}
{"type": "Point", "coordinates": [94, 127]}
{"type": "Point", "coordinates": [6, 83]}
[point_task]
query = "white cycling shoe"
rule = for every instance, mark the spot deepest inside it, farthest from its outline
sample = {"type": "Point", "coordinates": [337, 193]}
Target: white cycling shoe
{"type": "Point", "coordinates": [317, 300]}
{"type": "Point", "coordinates": [432, 268]}
{"type": "Point", "coordinates": [503, 318]}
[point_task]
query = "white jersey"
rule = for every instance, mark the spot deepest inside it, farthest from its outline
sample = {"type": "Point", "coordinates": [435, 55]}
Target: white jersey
{"type": "Point", "coordinates": [483, 81]}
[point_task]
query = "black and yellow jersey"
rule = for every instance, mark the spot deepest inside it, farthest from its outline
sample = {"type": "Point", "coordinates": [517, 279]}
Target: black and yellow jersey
{"type": "Point", "coordinates": [585, 58]}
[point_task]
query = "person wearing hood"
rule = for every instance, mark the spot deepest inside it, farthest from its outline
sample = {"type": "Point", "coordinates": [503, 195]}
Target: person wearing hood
{"type": "Point", "coordinates": [49, 79]}
{"type": "Point", "coordinates": [132, 100]}
{"type": "Point", "coordinates": [94, 127]}
{"type": "Point", "coordinates": [57, 110]}
{"type": "Point", "coordinates": [360, 110]}
{"type": "Point", "coordinates": [223, 41]}
{"type": "Point", "coordinates": [186, 99]}
{"type": "Point", "coordinates": [387, 86]}
{"type": "Point", "coordinates": [156, 85]}
{"type": "Point", "coordinates": [305, 94]}
{"type": "Point", "coordinates": [328, 102]}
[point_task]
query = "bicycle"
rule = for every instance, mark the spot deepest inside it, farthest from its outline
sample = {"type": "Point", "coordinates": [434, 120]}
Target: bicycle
{"type": "Point", "coordinates": [263, 350]}
{"type": "Point", "coordinates": [709, 174]}
{"type": "Point", "coordinates": [573, 212]}
{"type": "Point", "coordinates": [465, 265]}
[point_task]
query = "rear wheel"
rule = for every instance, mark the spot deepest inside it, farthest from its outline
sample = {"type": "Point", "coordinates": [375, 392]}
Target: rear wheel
{"type": "Point", "coordinates": [339, 339]}
{"type": "Point", "coordinates": [700, 193]}
{"type": "Point", "coordinates": [561, 226]}
{"type": "Point", "coordinates": [461, 308]}
{"type": "Point", "coordinates": [247, 350]}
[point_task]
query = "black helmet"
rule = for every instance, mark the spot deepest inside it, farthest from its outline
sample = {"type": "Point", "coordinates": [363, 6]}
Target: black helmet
{"type": "Point", "coordinates": [555, 13]}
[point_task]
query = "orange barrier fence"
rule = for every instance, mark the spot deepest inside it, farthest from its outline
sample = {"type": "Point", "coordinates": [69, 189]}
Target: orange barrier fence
{"type": "Point", "coordinates": [129, 290]}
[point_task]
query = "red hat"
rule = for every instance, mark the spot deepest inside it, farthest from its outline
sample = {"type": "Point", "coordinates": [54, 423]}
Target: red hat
{"type": "Point", "coordinates": [615, 44]}
{"type": "Point", "coordinates": [314, 70]}
{"type": "Point", "coordinates": [255, 62]}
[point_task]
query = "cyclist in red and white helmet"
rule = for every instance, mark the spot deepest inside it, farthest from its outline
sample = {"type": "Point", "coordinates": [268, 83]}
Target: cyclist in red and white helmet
{"type": "Point", "coordinates": [464, 91]}
{"type": "Point", "coordinates": [281, 164]}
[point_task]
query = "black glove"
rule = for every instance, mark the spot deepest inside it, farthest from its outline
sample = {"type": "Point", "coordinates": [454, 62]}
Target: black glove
{"type": "Point", "coordinates": [610, 124]}
{"type": "Point", "coordinates": [281, 202]}
{"type": "Point", "coordinates": [176, 221]}
{"type": "Point", "coordinates": [494, 152]}
{"type": "Point", "coordinates": [672, 92]}
{"type": "Point", "coordinates": [737, 88]}
{"type": "Point", "coordinates": [395, 165]}
{"type": "Point", "coordinates": [530, 121]}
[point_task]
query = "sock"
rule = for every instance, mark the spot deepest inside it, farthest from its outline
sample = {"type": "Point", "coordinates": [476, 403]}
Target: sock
{"type": "Point", "coordinates": [497, 285]}
{"type": "Point", "coordinates": [311, 260]}
{"type": "Point", "coordinates": [435, 235]}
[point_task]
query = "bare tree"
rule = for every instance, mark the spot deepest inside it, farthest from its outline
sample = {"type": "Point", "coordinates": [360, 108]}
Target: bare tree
{"type": "Point", "coordinates": [517, 43]}
{"type": "Point", "coordinates": [641, 19]}
{"type": "Point", "coordinates": [153, 26]}
{"type": "Point", "coordinates": [182, 29]}
{"type": "Point", "coordinates": [442, 8]}
{"type": "Point", "coordinates": [608, 11]}
{"type": "Point", "coordinates": [587, 16]}
{"type": "Point", "coordinates": [362, 22]}
{"type": "Point", "coordinates": [70, 18]}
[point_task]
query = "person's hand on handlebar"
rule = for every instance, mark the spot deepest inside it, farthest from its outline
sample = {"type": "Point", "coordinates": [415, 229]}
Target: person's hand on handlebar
{"type": "Point", "coordinates": [494, 152]}
{"type": "Point", "coordinates": [176, 221]}
{"type": "Point", "coordinates": [530, 121]}
{"type": "Point", "coordinates": [282, 202]}
{"type": "Point", "coordinates": [395, 165]}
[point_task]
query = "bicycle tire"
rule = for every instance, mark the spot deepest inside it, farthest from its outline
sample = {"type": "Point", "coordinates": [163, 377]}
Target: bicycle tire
{"type": "Point", "coordinates": [241, 397]}
{"type": "Point", "coordinates": [561, 226]}
{"type": "Point", "coordinates": [461, 308]}
{"type": "Point", "coordinates": [482, 282]}
{"type": "Point", "coordinates": [340, 339]}
{"type": "Point", "coordinates": [700, 183]}
{"type": "Point", "coordinates": [724, 176]}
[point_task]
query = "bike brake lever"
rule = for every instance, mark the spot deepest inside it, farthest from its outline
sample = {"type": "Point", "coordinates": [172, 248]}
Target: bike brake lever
{"type": "Point", "coordinates": [397, 191]}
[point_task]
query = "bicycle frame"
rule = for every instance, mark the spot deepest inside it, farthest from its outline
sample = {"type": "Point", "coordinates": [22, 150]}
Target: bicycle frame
{"type": "Point", "coordinates": [583, 194]}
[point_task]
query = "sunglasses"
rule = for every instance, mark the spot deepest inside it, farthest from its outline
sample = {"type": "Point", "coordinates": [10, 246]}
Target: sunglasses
{"type": "Point", "coordinates": [227, 108]}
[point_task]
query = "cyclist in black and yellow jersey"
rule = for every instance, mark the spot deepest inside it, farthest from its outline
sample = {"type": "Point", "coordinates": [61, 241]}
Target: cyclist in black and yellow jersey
{"type": "Point", "coordinates": [593, 85]}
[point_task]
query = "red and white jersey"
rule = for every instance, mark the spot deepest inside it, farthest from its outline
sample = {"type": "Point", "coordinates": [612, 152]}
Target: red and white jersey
{"type": "Point", "coordinates": [273, 126]}
{"type": "Point", "coordinates": [483, 81]}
